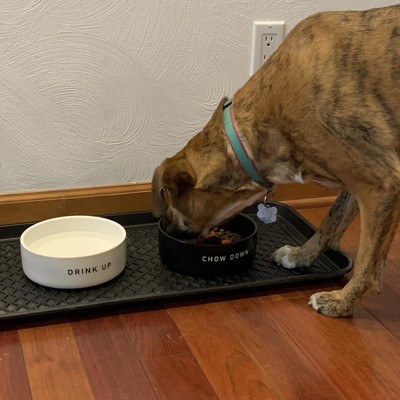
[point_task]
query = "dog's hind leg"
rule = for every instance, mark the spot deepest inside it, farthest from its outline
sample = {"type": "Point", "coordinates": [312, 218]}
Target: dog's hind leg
{"type": "Point", "coordinates": [339, 217]}
{"type": "Point", "coordinates": [380, 212]}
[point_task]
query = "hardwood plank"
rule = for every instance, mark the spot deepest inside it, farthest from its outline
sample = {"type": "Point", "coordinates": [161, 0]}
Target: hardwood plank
{"type": "Point", "coordinates": [169, 363]}
{"type": "Point", "coordinates": [392, 270]}
{"type": "Point", "coordinates": [222, 339]}
{"type": "Point", "coordinates": [358, 356]}
{"type": "Point", "coordinates": [114, 369]}
{"type": "Point", "coordinates": [384, 307]}
{"type": "Point", "coordinates": [54, 365]}
{"type": "Point", "coordinates": [247, 385]}
{"type": "Point", "coordinates": [179, 378]}
{"type": "Point", "coordinates": [391, 273]}
{"type": "Point", "coordinates": [14, 381]}
{"type": "Point", "coordinates": [154, 334]}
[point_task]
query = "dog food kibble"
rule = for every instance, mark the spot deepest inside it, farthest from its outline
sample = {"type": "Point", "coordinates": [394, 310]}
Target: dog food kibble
{"type": "Point", "coordinates": [219, 236]}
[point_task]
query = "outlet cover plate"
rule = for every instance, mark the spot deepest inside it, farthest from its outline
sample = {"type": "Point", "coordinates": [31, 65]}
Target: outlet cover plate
{"type": "Point", "coordinates": [267, 36]}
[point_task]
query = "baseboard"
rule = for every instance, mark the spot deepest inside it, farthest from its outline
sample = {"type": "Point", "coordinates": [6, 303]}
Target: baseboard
{"type": "Point", "coordinates": [37, 206]}
{"type": "Point", "coordinates": [302, 204]}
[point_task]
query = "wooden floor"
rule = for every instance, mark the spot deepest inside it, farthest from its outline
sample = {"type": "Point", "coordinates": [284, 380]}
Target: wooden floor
{"type": "Point", "coordinates": [268, 345]}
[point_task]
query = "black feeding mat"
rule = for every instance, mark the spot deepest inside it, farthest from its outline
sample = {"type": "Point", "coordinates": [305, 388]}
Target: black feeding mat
{"type": "Point", "coordinates": [146, 278]}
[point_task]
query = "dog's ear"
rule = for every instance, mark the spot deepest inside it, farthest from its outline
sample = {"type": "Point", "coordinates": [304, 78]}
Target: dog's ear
{"type": "Point", "coordinates": [158, 193]}
{"type": "Point", "coordinates": [178, 176]}
{"type": "Point", "coordinates": [171, 179]}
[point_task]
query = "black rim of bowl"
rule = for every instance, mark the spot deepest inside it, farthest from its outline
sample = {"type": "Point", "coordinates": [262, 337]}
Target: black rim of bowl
{"type": "Point", "coordinates": [188, 242]}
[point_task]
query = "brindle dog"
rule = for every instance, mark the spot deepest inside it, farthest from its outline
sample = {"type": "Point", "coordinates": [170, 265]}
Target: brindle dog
{"type": "Point", "coordinates": [324, 108]}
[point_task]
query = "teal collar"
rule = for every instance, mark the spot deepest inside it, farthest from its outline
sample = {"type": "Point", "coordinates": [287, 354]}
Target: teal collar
{"type": "Point", "coordinates": [239, 149]}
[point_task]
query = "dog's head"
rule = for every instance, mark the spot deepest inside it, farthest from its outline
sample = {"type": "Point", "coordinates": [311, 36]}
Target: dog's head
{"type": "Point", "coordinates": [203, 184]}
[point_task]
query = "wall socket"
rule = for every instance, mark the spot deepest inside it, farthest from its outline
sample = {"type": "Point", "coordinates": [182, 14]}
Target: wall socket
{"type": "Point", "coordinates": [267, 36]}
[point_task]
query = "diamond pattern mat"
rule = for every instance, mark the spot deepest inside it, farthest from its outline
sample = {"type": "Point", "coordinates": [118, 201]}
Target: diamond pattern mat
{"type": "Point", "coordinates": [146, 278]}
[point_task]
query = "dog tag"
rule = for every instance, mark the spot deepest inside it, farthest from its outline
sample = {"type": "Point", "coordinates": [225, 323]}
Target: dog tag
{"type": "Point", "coordinates": [266, 213]}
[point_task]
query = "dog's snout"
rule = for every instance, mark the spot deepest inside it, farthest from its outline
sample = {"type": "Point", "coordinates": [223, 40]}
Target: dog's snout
{"type": "Point", "coordinates": [165, 222]}
{"type": "Point", "coordinates": [179, 233]}
{"type": "Point", "coordinates": [181, 228]}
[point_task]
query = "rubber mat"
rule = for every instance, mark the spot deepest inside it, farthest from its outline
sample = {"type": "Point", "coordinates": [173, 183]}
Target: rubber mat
{"type": "Point", "coordinates": [145, 278]}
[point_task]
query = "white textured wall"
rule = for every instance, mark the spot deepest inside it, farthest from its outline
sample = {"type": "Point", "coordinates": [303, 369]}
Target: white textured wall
{"type": "Point", "coordinates": [98, 92]}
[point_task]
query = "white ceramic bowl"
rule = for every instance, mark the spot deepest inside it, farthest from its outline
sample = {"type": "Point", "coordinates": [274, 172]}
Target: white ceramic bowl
{"type": "Point", "coordinates": [73, 252]}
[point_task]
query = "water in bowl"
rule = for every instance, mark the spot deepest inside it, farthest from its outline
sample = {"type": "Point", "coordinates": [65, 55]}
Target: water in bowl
{"type": "Point", "coordinates": [73, 244]}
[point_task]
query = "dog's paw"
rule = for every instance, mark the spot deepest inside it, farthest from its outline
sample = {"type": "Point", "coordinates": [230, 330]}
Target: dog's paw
{"type": "Point", "coordinates": [331, 304]}
{"type": "Point", "coordinates": [292, 257]}
{"type": "Point", "coordinates": [282, 256]}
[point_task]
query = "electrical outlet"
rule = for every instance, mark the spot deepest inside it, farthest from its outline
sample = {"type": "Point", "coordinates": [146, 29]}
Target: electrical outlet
{"type": "Point", "coordinates": [267, 36]}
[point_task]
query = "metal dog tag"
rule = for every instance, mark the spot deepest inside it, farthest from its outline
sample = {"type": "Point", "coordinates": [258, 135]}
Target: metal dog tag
{"type": "Point", "coordinates": [266, 213]}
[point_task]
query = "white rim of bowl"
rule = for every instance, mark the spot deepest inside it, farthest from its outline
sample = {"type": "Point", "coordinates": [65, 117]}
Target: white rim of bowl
{"type": "Point", "coordinates": [26, 247]}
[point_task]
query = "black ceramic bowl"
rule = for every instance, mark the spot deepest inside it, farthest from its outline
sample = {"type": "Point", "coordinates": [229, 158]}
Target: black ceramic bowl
{"type": "Point", "coordinates": [210, 259]}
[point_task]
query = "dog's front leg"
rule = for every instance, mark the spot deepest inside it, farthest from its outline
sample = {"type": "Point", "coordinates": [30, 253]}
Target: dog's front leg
{"type": "Point", "coordinates": [329, 234]}
{"type": "Point", "coordinates": [379, 218]}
